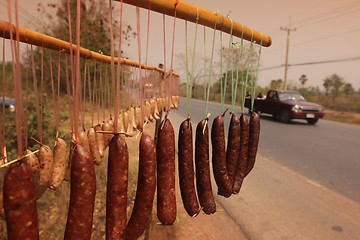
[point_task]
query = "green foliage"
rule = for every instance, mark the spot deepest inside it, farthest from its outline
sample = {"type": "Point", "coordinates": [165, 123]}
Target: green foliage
{"type": "Point", "coordinates": [276, 84]}
{"type": "Point", "coordinates": [48, 128]}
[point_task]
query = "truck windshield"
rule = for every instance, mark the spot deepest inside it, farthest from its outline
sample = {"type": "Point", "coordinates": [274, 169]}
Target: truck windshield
{"type": "Point", "coordinates": [283, 96]}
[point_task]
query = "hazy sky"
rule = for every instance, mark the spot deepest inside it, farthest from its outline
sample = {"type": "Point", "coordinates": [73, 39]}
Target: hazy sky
{"type": "Point", "coordinates": [325, 30]}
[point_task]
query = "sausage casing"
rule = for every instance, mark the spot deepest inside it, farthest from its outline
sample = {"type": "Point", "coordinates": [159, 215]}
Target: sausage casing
{"type": "Point", "coordinates": [145, 189]}
{"type": "Point", "coordinates": [117, 184]}
{"type": "Point", "coordinates": [242, 161]}
{"type": "Point", "coordinates": [233, 146]}
{"type": "Point", "coordinates": [60, 163]}
{"type": "Point", "coordinates": [186, 169]}
{"type": "Point", "coordinates": [20, 202]}
{"type": "Point", "coordinates": [165, 157]}
{"type": "Point", "coordinates": [219, 157]}
{"type": "Point", "coordinates": [94, 149]}
{"type": "Point", "coordinates": [203, 180]}
{"type": "Point", "coordinates": [46, 169]}
{"type": "Point", "coordinates": [82, 195]}
{"type": "Point", "coordinates": [99, 140]}
{"type": "Point", "coordinates": [253, 141]}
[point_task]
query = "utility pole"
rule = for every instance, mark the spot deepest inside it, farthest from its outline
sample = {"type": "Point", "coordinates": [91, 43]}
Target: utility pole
{"type": "Point", "coordinates": [288, 29]}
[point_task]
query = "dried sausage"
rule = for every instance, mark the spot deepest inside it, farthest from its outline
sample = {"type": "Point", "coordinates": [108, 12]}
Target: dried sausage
{"type": "Point", "coordinates": [233, 147]}
{"type": "Point", "coordinates": [186, 169]}
{"type": "Point", "coordinates": [165, 157]}
{"type": "Point", "coordinates": [219, 157]}
{"type": "Point", "coordinates": [99, 140]}
{"type": "Point", "coordinates": [242, 161]}
{"type": "Point", "coordinates": [108, 126]}
{"type": "Point", "coordinates": [139, 124]}
{"type": "Point", "coordinates": [253, 141]}
{"type": "Point", "coordinates": [83, 140]}
{"type": "Point", "coordinates": [94, 149]}
{"type": "Point", "coordinates": [34, 164]}
{"type": "Point", "coordinates": [82, 195]}
{"type": "Point", "coordinates": [46, 169]}
{"type": "Point", "coordinates": [60, 163]}
{"type": "Point", "coordinates": [20, 202]}
{"type": "Point", "coordinates": [145, 188]}
{"type": "Point", "coordinates": [117, 184]}
{"type": "Point", "coordinates": [203, 181]}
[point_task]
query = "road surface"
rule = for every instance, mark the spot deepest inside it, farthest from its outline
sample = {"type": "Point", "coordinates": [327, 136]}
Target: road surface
{"type": "Point", "coordinates": [304, 185]}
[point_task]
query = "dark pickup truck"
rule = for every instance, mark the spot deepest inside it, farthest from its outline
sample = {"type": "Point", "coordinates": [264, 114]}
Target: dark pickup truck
{"type": "Point", "coordinates": [287, 105]}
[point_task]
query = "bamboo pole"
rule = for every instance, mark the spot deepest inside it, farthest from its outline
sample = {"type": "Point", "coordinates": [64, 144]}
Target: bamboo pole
{"type": "Point", "coordinates": [42, 40]}
{"type": "Point", "coordinates": [190, 12]}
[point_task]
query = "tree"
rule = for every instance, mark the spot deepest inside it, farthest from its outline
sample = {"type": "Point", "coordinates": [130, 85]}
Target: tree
{"type": "Point", "coordinates": [327, 85]}
{"type": "Point", "coordinates": [94, 29]}
{"type": "Point", "coordinates": [276, 84]}
{"type": "Point", "coordinates": [347, 89]}
{"type": "Point", "coordinates": [334, 83]}
{"type": "Point", "coordinates": [303, 79]}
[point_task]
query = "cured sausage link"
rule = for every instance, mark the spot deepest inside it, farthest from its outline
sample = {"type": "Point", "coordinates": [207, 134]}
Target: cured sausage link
{"type": "Point", "coordinates": [219, 157]}
{"type": "Point", "coordinates": [253, 141]}
{"type": "Point", "coordinates": [82, 195]}
{"type": "Point", "coordinates": [186, 169]}
{"type": "Point", "coordinates": [203, 181]}
{"type": "Point", "coordinates": [20, 202]}
{"type": "Point", "coordinates": [233, 147]}
{"type": "Point", "coordinates": [165, 157]}
{"type": "Point", "coordinates": [145, 189]}
{"type": "Point", "coordinates": [242, 161]}
{"type": "Point", "coordinates": [117, 184]}
{"type": "Point", "coordinates": [60, 163]}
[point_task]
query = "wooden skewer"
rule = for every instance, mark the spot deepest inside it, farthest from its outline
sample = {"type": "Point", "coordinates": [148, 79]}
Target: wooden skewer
{"type": "Point", "coordinates": [18, 159]}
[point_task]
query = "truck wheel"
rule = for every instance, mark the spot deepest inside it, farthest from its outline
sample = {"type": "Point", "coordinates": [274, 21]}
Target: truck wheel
{"type": "Point", "coordinates": [312, 121]}
{"type": "Point", "coordinates": [284, 116]}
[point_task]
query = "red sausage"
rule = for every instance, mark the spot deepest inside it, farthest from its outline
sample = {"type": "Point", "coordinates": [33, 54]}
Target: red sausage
{"type": "Point", "coordinates": [253, 141]}
{"type": "Point", "coordinates": [82, 195]}
{"type": "Point", "coordinates": [117, 184]}
{"type": "Point", "coordinates": [233, 147]}
{"type": "Point", "coordinates": [145, 189]}
{"type": "Point", "coordinates": [165, 157]}
{"type": "Point", "coordinates": [242, 161]}
{"type": "Point", "coordinates": [20, 202]}
{"type": "Point", "coordinates": [203, 181]}
{"type": "Point", "coordinates": [186, 169]}
{"type": "Point", "coordinates": [219, 157]}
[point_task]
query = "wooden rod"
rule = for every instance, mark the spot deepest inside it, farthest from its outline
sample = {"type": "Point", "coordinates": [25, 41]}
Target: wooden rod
{"type": "Point", "coordinates": [42, 40]}
{"type": "Point", "coordinates": [190, 12]}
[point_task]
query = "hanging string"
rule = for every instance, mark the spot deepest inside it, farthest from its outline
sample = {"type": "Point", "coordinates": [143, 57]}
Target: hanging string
{"type": "Point", "coordinates": [71, 102]}
{"type": "Point", "coordinates": [193, 59]}
{"type": "Point", "coordinates": [257, 75]}
{"type": "Point", "coordinates": [147, 45]}
{"type": "Point", "coordinates": [53, 91]}
{"type": "Point", "coordinates": [116, 114]}
{"type": "Point", "coordinates": [141, 80]}
{"type": "Point", "coordinates": [68, 92]}
{"type": "Point", "coordinates": [172, 59]}
{"type": "Point", "coordinates": [77, 92]}
{"type": "Point", "coordinates": [36, 93]}
{"type": "Point", "coordinates": [224, 82]}
{"type": "Point", "coordinates": [204, 73]}
{"type": "Point", "coordinates": [164, 75]}
{"type": "Point", "coordinates": [58, 92]}
{"type": "Point", "coordinates": [118, 79]}
{"type": "Point", "coordinates": [234, 94]}
{"type": "Point", "coordinates": [210, 74]}
{"type": "Point", "coordinates": [83, 101]}
{"type": "Point", "coordinates": [188, 81]}
{"type": "Point", "coordinates": [2, 129]}
{"type": "Point", "coordinates": [92, 95]}
{"type": "Point", "coordinates": [249, 63]}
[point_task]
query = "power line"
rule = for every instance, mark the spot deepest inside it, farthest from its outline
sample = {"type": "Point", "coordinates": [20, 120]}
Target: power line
{"type": "Point", "coordinates": [312, 63]}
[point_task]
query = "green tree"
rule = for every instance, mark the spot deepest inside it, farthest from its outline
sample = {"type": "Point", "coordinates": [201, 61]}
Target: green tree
{"type": "Point", "coordinates": [334, 83]}
{"type": "Point", "coordinates": [327, 85]}
{"type": "Point", "coordinates": [303, 79]}
{"type": "Point", "coordinates": [276, 84]}
{"type": "Point", "coordinates": [347, 89]}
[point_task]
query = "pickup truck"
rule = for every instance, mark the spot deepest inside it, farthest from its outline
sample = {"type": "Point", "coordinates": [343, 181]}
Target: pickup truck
{"type": "Point", "coordinates": [287, 105]}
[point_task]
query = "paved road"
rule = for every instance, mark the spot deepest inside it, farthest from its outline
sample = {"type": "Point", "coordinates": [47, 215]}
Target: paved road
{"type": "Point", "coordinates": [302, 186]}
{"type": "Point", "coordinates": [327, 153]}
